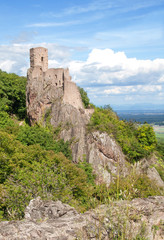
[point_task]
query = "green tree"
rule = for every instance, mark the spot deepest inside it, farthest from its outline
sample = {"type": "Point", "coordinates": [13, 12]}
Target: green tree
{"type": "Point", "coordinates": [13, 94]}
{"type": "Point", "coordinates": [146, 137]}
{"type": "Point", "coordinates": [45, 138]}
{"type": "Point", "coordinates": [84, 97]}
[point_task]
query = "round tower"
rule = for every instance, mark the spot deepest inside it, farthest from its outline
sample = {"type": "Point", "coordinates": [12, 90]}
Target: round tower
{"type": "Point", "coordinates": [39, 57]}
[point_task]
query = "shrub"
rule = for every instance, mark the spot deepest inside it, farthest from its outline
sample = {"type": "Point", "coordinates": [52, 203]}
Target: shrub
{"type": "Point", "coordinates": [136, 142]}
{"type": "Point", "coordinates": [13, 94]}
{"type": "Point", "coordinates": [84, 97]}
{"type": "Point", "coordinates": [44, 137]}
{"type": "Point", "coordinates": [133, 186]}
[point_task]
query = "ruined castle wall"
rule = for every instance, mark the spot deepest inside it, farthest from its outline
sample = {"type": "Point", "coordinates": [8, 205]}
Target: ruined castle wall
{"type": "Point", "coordinates": [67, 76]}
{"type": "Point", "coordinates": [39, 57]}
{"type": "Point", "coordinates": [72, 95]}
{"type": "Point", "coordinates": [55, 77]}
{"type": "Point", "coordinates": [45, 86]}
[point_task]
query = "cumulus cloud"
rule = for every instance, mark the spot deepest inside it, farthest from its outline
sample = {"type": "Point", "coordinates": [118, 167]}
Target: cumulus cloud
{"type": "Point", "coordinates": [108, 67]}
{"type": "Point", "coordinates": [111, 74]}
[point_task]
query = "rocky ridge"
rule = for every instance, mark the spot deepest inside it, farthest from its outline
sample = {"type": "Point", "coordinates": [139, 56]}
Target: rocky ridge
{"type": "Point", "coordinates": [48, 220]}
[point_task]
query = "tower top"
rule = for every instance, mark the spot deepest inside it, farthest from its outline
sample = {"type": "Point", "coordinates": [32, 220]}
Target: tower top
{"type": "Point", "coordinates": [39, 57]}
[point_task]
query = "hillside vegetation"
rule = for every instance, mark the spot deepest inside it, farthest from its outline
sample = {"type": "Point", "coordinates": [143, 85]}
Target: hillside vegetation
{"type": "Point", "coordinates": [136, 141]}
{"type": "Point", "coordinates": [35, 162]}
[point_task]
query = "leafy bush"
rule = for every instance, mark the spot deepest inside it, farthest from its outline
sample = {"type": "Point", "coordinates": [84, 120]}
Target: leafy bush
{"type": "Point", "coordinates": [160, 147]}
{"type": "Point", "coordinates": [5, 120]}
{"type": "Point", "coordinates": [88, 170]}
{"type": "Point", "coordinates": [13, 94]}
{"type": "Point", "coordinates": [53, 177]}
{"type": "Point", "coordinates": [45, 138]}
{"type": "Point", "coordinates": [42, 179]}
{"type": "Point", "coordinates": [27, 171]}
{"type": "Point", "coordinates": [146, 137]}
{"type": "Point", "coordinates": [136, 142]}
{"type": "Point", "coordinates": [84, 97]}
{"type": "Point", "coordinates": [133, 186]}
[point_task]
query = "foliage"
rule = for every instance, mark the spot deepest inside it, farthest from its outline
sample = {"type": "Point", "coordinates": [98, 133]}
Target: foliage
{"type": "Point", "coordinates": [8, 124]}
{"type": "Point", "coordinates": [5, 120]}
{"type": "Point", "coordinates": [42, 179]}
{"type": "Point", "coordinates": [146, 137]}
{"type": "Point", "coordinates": [88, 170]}
{"type": "Point", "coordinates": [84, 97]}
{"type": "Point", "coordinates": [133, 186]}
{"type": "Point", "coordinates": [45, 138]}
{"type": "Point", "coordinates": [160, 147]}
{"type": "Point", "coordinates": [30, 171]}
{"type": "Point", "coordinates": [13, 154]}
{"type": "Point", "coordinates": [136, 142]}
{"type": "Point", "coordinates": [12, 94]}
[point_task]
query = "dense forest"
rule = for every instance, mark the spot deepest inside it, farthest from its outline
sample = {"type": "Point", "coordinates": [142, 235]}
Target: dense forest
{"type": "Point", "coordinates": [35, 162]}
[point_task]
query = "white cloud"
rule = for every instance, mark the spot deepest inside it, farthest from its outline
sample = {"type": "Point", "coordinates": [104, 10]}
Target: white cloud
{"type": "Point", "coordinates": [161, 80]}
{"type": "Point", "coordinates": [107, 67]}
{"type": "Point", "coordinates": [134, 89]}
{"type": "Point", "coordinates": [7, 65]}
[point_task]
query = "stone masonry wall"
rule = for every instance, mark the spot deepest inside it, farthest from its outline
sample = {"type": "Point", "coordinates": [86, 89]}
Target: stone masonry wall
{"type": "Point", "coordinates": [72, 95]}
{"type": "Point", "coordinates": [39, 57]}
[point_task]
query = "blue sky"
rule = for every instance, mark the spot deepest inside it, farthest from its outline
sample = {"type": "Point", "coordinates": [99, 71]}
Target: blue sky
{"type": "Point", "coordinates": [113, 48]}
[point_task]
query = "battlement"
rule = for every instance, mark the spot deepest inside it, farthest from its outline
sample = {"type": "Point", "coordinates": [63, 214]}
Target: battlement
{"type": "Point", "coordinates": [39, 57]}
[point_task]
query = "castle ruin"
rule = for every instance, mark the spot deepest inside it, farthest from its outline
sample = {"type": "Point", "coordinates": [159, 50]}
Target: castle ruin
{"type": "Point", "coordinates": [45, 85]}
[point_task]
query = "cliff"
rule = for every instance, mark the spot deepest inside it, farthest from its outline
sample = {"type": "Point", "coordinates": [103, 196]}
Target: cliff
{"type": "Point", "coordinates": [50, 92]}
{"type": "Point", "coordinates": [51, 95]}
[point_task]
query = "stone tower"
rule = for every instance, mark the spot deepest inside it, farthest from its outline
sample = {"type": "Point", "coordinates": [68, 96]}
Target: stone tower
{"type": "Point", "coordinates": [39, 57]}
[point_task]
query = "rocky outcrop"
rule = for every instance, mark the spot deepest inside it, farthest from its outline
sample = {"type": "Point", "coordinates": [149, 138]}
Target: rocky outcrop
{"type": "Point", "coordinates": [99, 149]}
{"type": "Point", "coordinates": [106, 157]}
{"type": "Point", "coordinates": [47, 220]}
{"type": "Point", "coordinates": [73, 126]}
{"type": "Point", "coordinates": [146, 166]}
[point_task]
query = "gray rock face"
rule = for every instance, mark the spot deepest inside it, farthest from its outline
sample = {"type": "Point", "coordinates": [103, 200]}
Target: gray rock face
{"type": "Point", "coordinates": [99, 149]}
{"type": "Point", "coordinates": [73, 126]}
{"type": "Point", "coordinates": [146, 166]}
{"type": "Point", "coordinates": [106, 157]}
{"type": "Point", "coordinates": [47, 220]}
